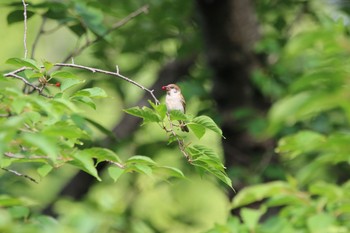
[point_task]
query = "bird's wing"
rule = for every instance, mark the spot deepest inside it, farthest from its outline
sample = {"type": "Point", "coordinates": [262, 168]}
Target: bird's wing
{"type": "Point", "coordinates": [183, 103]}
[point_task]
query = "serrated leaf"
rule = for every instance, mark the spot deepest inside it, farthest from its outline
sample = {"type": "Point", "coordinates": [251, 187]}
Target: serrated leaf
{"type": "Point", "coordinates": [140, 159]}
{"type": "Point", "coordinates": [197, 129]}
{"type": "Point", "coordinates": [94, 92]}
{"type": "Point", "coordinates": [85, 162]}
{"type": "Point", "coordinates": [63, 74]}
{"type": "Point", "coordinates": [20, 62]}
{"type": "Point", "coordinates": [70, 82]}
{"type": "Point", "coordinates": [115, 172]}
{"type": "Point", "coordinates": [44, 170]}
{"type": "Point", "coordinates": [208, 123]}
{"type": "Point", "coordinates": [177, 115]}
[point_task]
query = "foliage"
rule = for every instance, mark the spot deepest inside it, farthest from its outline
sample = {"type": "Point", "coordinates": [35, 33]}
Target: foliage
{"type": "Point", "coordinates": [311, 119]}
{"type": "Point", "coordinates": [43, 127]}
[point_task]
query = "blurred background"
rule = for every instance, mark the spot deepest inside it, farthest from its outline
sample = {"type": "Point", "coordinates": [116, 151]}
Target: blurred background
{"type": "Point", "coordinates": [266, 71]}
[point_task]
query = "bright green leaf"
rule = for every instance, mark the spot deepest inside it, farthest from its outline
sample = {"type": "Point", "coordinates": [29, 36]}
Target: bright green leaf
{"type": "Point", "coordinates": [70, 82]}
{"type": "Point", "coordinates": [251, 217]}
{"type": "Point", "coordinates": [47, 145]}
{"type": "Point", "coordinates": [197, 129]}
{"type": "Point", "coordinates": [94, 92]}
{"type": "Point", "coordinates": [85, 162]}
{"type": "Point", "coordinates": [85, 100]}
{"type": "Point", "coordinates": [139, 159]}
{"type": "Point", "coordinates": [19, 211]}
{"type": "Point", "coordinates": [177, 115]}
{"type": "Point", "coordinates": [259, 192]}
{"type": "Point", "coordinates": [208, 123]}
{"type": "Point", "coordinates": [63, 74]}
{"type": "Point", "coordinates": [115, 172]}
{"type": "Point", "coordinates": [44, 170]}
{"type": "Point", "coordinates": [102, 154]}
{"type": "Point", "coordinates": [20, 62]}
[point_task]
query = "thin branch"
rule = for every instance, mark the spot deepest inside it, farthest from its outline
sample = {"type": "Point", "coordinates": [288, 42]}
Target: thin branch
{"type": "Point", "coordinates": [38, 35]}
{"type": "Point", "coordinates": [115, 74]}
{"type": "Point", "coordinates": [20, 174]}
{"type": "Point", "coordinates": [13, 74]}
{"type": "Point", "coordinates": [118, 24]}
{"type": "Point", "coordinates": [25, 28]}
{"type": "Point", "coordinates": [122, 166]}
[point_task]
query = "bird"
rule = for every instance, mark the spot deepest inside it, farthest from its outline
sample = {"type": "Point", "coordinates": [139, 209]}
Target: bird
{"type": "Point", "coordinates": [174, 100]}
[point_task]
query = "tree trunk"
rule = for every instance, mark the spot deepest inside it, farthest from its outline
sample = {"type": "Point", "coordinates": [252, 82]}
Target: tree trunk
{"type": "Point", "coordinates": [230, 30]}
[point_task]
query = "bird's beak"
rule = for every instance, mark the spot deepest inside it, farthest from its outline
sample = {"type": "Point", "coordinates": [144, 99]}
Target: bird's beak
{"type": "Point", "coordinates": [164, 88]}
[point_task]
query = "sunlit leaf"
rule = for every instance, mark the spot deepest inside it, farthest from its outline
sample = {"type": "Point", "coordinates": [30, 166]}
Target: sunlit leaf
{"type": "Point", "coordinates": [115, 172]}
{"type": "Point", "coordinates": [208, 123]}
{"type": "Point", "coordinates": [94, 92]}
{"type": "Point", "coordinates": [20, 62]}
{"type": "Point", "coordinates": [197, 129]}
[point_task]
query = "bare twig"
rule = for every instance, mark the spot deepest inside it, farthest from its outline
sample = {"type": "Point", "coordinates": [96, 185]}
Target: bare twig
{"type": "Point", "coordinates": [20, 174]}
{"type": "Point", "coordinates": [115, 74]}
{"type": "Point", "coordinates": [38, 35]}
{"type": "Point", "coordinates": [143, 9]}
{"type": "Point", "coordinates": [122, 166]}
{"type": "Point", "coordinates": [13, 74]}
{"type": "Point", "coordinates": [25, 28]}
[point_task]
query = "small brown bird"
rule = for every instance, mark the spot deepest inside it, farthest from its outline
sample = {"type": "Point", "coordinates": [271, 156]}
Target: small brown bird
{"type": "Point", "coordinates": [175, 101]}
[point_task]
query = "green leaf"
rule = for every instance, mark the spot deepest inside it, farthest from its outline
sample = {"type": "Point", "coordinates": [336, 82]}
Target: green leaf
{"type": "Point", "coordinates": [321, 223]}
{"type": "Point", "coordinates": [48, 66]}
{"type": "Point", "coordinates": [19, 211]}
{"type": "Point", "coordinates": [84, 161]}
{"type": "Point", "coordinates": [142, 168]}
{"type": "Point", "coordinates": [208, 123]}
{"type": "Point", "coordinates": [44, 170]}
{"type": "Point", "coordinates": [139, 159]}
{"type": "Point", "coordinates": [177, 115]}
{"type": "Point", "coordinates": [259, 192]}
{"type": "Point", "coordinates": [17, 16]}
{"type": "Point", "coordinates": [63, 74]}
{"type": "Point", "coordinates": [85, 100]}
{"type": "Point", "coordinates": [102, 154]}
{"type": "Point", "coordinates": [300, 143]}
{"type": "Point", "coordinates": [103, 129]}
{"type": "Point", "coordinates": [45, 144]}
{"type": "Point", "coordinates": [251, 217]}
{"type": "Point", "coordinates": [160, 109]}
{"type": "Point", "coordinates": [92, 18]}
{"type": "Point", "coordinates": [197, 129]}
{"type": "Point", "coordinates": [170, 171]}
{"type": "Point", "coordinates": [20, 62]}
{"type": "Point", "coordinates": [206, 159]}
{"type": "Point", "coordinates": [70, 82]}
{"type": "Point", "coordinates": [94, 92]}
{"type": "Point", "coordinates": [115, 172]}
{"type": "Point", "coordinates": [147, 114]}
